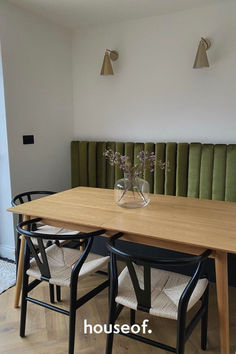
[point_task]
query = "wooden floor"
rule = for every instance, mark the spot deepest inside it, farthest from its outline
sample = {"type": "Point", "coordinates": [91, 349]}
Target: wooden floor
{"type": "Point", "coordinates": [47, 331]}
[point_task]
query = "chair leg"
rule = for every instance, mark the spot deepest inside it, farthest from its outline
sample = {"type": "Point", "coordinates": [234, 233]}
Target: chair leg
{"type": "Point", "coordinates": [23, 305]}
{"type": "Point", "coordinates": [111, 322]}
{"type": "Point", "coordinates": [204, 321]}
{"type": "Point", "coordinates": [24, 293]}
{"type": "Point", "coordinates": [72, 317]}
{"type": "Point", "coordinates": [58, 291]}
{"type": "Point", "coordinates": [132, 317]}
{"type": "Point", "coordinates": [181, 324]}
{"type": "Point", "coordinates": [51, 292]}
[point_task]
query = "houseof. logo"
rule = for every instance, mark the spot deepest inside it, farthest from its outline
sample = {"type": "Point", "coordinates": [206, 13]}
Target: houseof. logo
{"type": "Point", "coordinates": [125, 328]}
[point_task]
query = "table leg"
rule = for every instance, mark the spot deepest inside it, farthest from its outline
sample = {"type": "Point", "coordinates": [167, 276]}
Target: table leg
{"type": "Point", "coordinates": [20, 269]}
{"type": "Point", "coordinates": [221, 265]}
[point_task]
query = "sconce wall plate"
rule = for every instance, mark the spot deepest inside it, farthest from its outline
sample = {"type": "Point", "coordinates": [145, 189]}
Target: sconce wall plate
{"type": "Point", "coordinates": [114, 55]}
{"type": "Point", "coordinates": [201, 59]}
{"type": "Point", "coordinates": [106, 66]}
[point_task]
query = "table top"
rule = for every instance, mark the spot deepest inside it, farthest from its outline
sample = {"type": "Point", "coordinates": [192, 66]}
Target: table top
{"type": "Point", "coordinates": [188, 221]}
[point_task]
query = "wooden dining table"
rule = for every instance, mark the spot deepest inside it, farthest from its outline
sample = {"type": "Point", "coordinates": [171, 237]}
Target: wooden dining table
{"type": "Point", "coordinates": [177, 223]}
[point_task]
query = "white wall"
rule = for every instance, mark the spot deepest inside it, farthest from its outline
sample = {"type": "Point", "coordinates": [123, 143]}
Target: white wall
{"type": "Point", "coordinates": [37, 66]}
{"type": "Point", "coordinates": [155, 94]}
{"type": "Point", "coordinates": [6, 222]}
{"type": "Point", "coordinates": [38, 89]}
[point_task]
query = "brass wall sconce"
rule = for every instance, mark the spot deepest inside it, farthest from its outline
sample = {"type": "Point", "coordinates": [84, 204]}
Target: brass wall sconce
{"type": "Point", "coordinates": [201, 59]}
{"type": "Point", "coordinates": [106, 66]}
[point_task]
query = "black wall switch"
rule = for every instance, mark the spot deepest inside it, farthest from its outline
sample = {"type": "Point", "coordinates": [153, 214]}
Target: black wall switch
{"type": "Point", "coordinates": [28, 139]}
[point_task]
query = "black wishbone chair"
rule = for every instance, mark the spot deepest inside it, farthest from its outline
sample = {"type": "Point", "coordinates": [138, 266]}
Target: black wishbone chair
{"type": "Point", "coordinates": [158, 292]}
{"type": "Point", "coordinates": [60, 266]}
{"type": "Point", "coordinates": [28, 197]}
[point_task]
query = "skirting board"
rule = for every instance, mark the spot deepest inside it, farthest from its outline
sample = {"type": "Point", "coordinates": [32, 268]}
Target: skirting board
{"type": "Point", "coordinates": [7, 252]}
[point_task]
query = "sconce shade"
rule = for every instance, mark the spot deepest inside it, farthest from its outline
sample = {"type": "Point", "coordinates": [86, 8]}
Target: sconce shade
{"type": "Point", "coordinates": [106, 66]}
{"type": "Point", "coordinates": [201, 59]}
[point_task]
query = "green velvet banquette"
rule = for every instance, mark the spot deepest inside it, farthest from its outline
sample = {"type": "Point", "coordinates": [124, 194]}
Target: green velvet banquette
{"type": "Point", "coordinates": [196, 170]}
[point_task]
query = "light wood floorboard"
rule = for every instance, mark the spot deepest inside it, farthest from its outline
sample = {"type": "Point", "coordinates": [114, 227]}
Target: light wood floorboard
{"type": "Point", "coordinates": [47, 331]}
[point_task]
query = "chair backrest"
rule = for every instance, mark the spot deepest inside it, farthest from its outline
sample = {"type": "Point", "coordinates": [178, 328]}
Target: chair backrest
{"type": "Point", "coordinates": [197, 170]}
{"type": "Point", "coordinates": [39, 251]}
{"type": "Point", "coordinates": [28, 197]}
{"type": "Point", "coordinates": [143, 295]}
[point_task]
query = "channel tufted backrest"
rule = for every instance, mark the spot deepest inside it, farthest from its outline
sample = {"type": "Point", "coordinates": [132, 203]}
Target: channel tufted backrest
{"type": "Point", "coordinates": [197, 170]}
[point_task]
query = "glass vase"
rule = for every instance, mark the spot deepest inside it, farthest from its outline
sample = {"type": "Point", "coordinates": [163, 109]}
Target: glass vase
{"type": "Point", "coordinates": [131, 192]}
